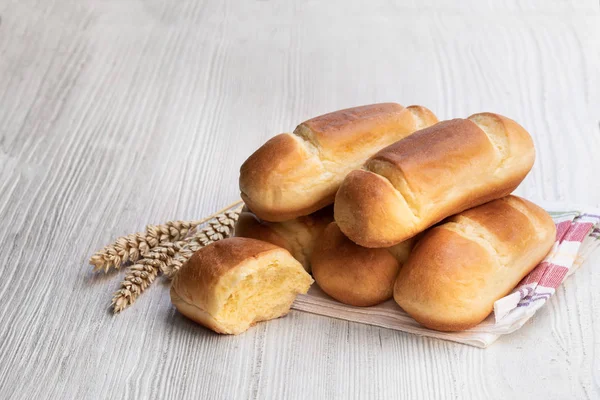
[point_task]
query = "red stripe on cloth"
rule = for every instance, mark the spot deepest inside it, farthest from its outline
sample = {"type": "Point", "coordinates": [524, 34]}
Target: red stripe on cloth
{"type": "Point", "coordinates": [548, 274]}
{"type": "Point", "coordinates": [578, 232]}
{"type": "Point", "coordinates": [561, 229]}
{"type": "Point", "coordinates": [535, 275]}
{"type": "Point", "coordinates": [554, 276]}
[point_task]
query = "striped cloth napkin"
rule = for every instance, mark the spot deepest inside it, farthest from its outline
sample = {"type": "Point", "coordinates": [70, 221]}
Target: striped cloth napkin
{"type": "Point", "coordinates": [578, 235]}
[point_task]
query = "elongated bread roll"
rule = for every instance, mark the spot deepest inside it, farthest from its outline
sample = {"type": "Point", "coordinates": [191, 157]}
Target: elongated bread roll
{"type": "Point", "coordinates": [353, 274]}
{"type": "Point", "coordinates": [234, 283]}
{"type": "Point", "coordinates": [296, 174]}
{"type": "Point", "coordinates": [297, 236]}
{"type": "Point", "coordinates": [459, 269]}
{"type": "Point", "coordinates": [430, 175]}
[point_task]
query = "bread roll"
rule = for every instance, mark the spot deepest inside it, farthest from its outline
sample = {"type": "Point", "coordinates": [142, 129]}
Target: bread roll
{"type": "Point", "coordinates": [234, 283]}
{"type": "Point", "coordinates": [297, 236]}
{"type": "Point", "coordinates": [296, 174]}
{"type": "Point", "coordinates": [430, 175]}
{"type": "Point", "coordinates": [356, 275]}
{"type": "Point", "coordinates": [459, 269]}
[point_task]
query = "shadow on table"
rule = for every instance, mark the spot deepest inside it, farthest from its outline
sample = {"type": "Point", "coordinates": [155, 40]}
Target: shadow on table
{"type": "Point", "coordinates": [180, 323]}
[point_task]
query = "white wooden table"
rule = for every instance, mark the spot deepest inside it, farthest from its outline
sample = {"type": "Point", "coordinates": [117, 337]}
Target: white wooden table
{"type": "Point", "coordinates": [114, 114]}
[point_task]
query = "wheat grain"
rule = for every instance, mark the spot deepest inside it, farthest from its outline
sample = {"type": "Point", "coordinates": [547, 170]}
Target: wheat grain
{"type": "Point", "coordinates": [171, 231]}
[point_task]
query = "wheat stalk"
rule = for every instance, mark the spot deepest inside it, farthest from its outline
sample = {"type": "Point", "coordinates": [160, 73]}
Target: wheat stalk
{"type": "Point", "coordinates": [169, 256]}
{"type": "Point", "coordinates": [130, 248]}
{"type": "Point", "coordinates": [219, 228]}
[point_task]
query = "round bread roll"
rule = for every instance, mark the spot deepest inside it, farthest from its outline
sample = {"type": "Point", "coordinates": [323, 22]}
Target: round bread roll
{"type": "Point", "coordinates": [353, 274]}
{"type": "Point", "coordinates": [231, 284]}
{"type": "Point", "coordinates": [297, 236]}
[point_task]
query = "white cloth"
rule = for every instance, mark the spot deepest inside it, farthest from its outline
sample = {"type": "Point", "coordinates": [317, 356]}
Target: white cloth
{"type": "Point", "coordinates": [510, 312]}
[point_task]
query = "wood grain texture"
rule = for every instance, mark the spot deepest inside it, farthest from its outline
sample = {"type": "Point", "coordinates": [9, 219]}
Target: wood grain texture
{"type": "Point", "coordinates": [114, 114]}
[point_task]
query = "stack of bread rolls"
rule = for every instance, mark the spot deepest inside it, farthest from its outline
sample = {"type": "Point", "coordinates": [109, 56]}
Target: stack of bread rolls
{"type": "Point", "coordinates": [376, 202]}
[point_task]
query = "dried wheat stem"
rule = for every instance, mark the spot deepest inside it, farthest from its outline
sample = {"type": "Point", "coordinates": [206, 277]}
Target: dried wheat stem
{"type": "Point", "coordinates": [131, 247]}
{"type": "Point", "coordinates": [168, 257]}
{"type": "Point", "coordinates": [220, 227]}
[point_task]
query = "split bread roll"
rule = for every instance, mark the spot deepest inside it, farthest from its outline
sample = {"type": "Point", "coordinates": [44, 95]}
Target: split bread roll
{"type": "Point", "coordinates": [296, 174]}
{"type": "Point", "coordinates": [459, 269]}
{"type": "Point", "coordinates": [353, 274]}
{"type": "Point", "coordinates": [297, 236]}
{"type": "Point", "coordinates": [231, 284]}
{"type": "Point", "coordinates": [430, 175]}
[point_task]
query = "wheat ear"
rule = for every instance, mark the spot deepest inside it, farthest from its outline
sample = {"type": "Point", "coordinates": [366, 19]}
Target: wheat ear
{"type": "Point", "coordinates": [220, 227]}
{"type": "Point", "coordinates": [138, 278]}
{"type": "Point", "coordinates": [130, 248]}
{"type": "Point", "coordinates": [168, 257]}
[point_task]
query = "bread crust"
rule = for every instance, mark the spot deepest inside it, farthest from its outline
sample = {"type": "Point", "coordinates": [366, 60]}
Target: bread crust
{"type": "Point", "coordinates": [459, 269]}
{"type": "Point", "coordinates": [338, 131]}
{"type": "Point", "coordinates": [298, 236]}
{"type": "Point", "coordinates": [431, 174]}
{"type": "Point", "coordinates": [293, 175]}
{"type": "Point", "coordinates": [207, 282]}
{"type": "Point", "coordinates": [196, 280]}
{"type": "Point", "coordinates": [356, 275]}
{"type": "Point", "coordinates": [198, 315]}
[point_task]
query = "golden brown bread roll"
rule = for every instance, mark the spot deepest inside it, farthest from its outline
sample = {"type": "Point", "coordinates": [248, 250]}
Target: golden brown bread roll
{"type": "Point", "coordinates": [296, 174]}
{"type": "Point", "coordinates": [297, 236]}
{"type": "Point", "coordinates": [353, 274]}
{"type": "Point", "coordinates": [459, 269]}
{"type": "Point", "coordinates": [430, 175]}
{"type": "Point", "coordinates": [233, 283]}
